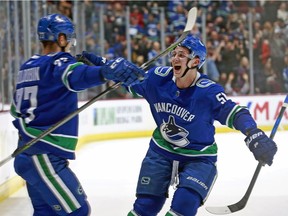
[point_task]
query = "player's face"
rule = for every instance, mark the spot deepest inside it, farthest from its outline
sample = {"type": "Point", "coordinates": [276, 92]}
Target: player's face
{"type": "Point", "coordinates": [179, 59]}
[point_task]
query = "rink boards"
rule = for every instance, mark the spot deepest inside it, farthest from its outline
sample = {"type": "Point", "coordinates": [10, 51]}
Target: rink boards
{"type": "Point", "coordinates": [117, 119]}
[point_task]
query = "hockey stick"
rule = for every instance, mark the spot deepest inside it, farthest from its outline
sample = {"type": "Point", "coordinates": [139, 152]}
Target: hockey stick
{"type": "Point", "coordinates": [242, 203]}
{"type": "Point", "coordinates": [191, 19]}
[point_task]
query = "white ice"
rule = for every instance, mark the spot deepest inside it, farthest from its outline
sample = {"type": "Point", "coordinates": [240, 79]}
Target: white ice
{"type": "Point", "coordinates": [108, 171]}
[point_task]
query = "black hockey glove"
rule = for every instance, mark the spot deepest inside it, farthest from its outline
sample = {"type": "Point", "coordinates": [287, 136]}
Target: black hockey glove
{"type": "Point", "coordinates": [90, 59]}
{"type": "Point", "coordinates": [262, 147]}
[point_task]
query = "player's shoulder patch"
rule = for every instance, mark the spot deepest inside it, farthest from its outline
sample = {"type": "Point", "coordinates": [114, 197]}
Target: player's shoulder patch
{"type": "Point", "coordinates": [162, 71]}
{"type": "Point", "coordinates": [204, 83]}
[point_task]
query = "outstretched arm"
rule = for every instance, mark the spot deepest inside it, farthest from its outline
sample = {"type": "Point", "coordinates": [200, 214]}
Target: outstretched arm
{"type": "Point", "coordinates": [119, 70]}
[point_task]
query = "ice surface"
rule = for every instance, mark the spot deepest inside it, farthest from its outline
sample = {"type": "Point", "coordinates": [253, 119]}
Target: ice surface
{"type": "Point", "coordinates": [108, 171]}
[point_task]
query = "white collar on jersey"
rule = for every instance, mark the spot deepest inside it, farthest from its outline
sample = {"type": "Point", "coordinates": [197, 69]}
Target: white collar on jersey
{"type": "Point", "coordinates": [195, 80]}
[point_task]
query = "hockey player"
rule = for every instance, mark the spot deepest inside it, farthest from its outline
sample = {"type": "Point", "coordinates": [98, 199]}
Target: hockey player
{"type": "Point", "coordinates": [182, 150]}
{"type": "Point", "coordinates": [46, 92]}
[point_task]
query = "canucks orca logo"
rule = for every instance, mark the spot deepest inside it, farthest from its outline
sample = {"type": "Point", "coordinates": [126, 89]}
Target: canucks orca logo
{"type": "Point", "coordinates": [173, 133]}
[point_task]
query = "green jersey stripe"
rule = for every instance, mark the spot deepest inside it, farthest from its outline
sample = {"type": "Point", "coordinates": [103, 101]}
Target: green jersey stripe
{"type": "Point", "coordinates": [160, 142]}
{"type": "Point", "coordinates": [61, 141]}
{"type": "Point", "coordinates": [231, 115]}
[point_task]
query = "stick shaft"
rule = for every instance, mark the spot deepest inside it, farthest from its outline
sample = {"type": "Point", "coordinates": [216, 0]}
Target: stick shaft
{"type": "Point", "coordinates": [189, 25]}
{"type": "Point", "coordinates": [241, 204]}
{"type": "Point", "coordinates": [228, 209]}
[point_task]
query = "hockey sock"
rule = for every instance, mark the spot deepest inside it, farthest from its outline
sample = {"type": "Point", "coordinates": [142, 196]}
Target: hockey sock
{"type": "Point", "coordinates": [185, 202]}
{"type": "Point", "coordinates": [147, 205]}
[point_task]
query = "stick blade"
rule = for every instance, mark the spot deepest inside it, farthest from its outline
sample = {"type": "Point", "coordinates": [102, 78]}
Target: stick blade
{"type": "Point", "coordinates": [191, 19]}
{"type": "Point", "coordinates": [218, 210]}
{"type": "Point", "coordinates": [222, 210]}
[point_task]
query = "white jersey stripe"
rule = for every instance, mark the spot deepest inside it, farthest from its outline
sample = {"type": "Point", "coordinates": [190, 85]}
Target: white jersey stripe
{"type": "Point", "coordinates": [52, 187]}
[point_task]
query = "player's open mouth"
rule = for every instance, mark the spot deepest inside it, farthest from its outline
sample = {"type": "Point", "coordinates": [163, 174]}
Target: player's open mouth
{"type": "Point", "coordinates": [177, 68]}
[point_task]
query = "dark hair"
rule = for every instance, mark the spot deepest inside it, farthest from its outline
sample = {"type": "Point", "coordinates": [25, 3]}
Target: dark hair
{"type": "Point", "coordinates": [69, 2]}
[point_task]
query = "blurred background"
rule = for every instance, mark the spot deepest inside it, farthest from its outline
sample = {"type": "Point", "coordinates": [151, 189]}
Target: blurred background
{"type": "Point", "coordinates": [247, 41]}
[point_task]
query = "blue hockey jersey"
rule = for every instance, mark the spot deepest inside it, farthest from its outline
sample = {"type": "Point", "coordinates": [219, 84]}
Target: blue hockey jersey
{"type": "Point", "coordinates": [185, 117]}
{"type": "Point", "coordinates": [46, 92]}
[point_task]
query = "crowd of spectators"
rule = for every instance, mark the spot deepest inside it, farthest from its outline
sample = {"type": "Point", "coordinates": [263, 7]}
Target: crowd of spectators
{"type": "Point", "coordinates": [226, 35]}
{"type": "Point", "coordinates": [227, 38]}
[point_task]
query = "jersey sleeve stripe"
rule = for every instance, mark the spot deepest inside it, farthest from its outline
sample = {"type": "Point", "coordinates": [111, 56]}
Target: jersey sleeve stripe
{"type": "Point", "coordinates": [133, 92]}
{"type": "Point", "coordinates": [67, 73]}
{"type": "Point", "coordinates": [231, 115]}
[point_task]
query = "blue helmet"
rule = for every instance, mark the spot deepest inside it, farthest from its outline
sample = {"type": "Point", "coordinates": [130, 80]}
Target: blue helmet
{"type": "Point", "coordinates": [49, 28]}
{"type": "Point", "coordinates": [196, 48]}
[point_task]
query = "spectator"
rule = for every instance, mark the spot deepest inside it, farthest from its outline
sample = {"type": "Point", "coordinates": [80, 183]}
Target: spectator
{"type": "Point", "coordinates": [135, 29]}
{"type": "Point", "coordinates": [285, 73]}
{"type": "Point", "coordinates": [270, 7]}
{"type": "Point", "coordinates": [177, 17]}
{"type": "Point", "coordinates": [152, 28]}
{"type": "Point", "coordinates": [65, 8]}
{"type": "Point", "coordinates": [115, 18]}
{"type": "Point", "coordinates": [267, 29]}
{"type": "Point", "coordinates": [212, 55]}
{"type": "Point", "coordinates": [228, 60]}
{"type": "Point", "coordinates": [140, 46]}
{"type": "Point", "coordinates": [238, 80]}
{"type": "Point", "coordinates": [138, 15]}
{"type": "Point", "coordinates": [265, 50]}
{"type": "Point", "coordinates": [273, 82]}
{"type": "Point", "coordinates": [156, 49]}
{"type": "Point", "coordinates": [139, 60]}
{"type": "Point", "coordinates": [282, 12]}
{"type": "Point", "coordinates": [278, 48]}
